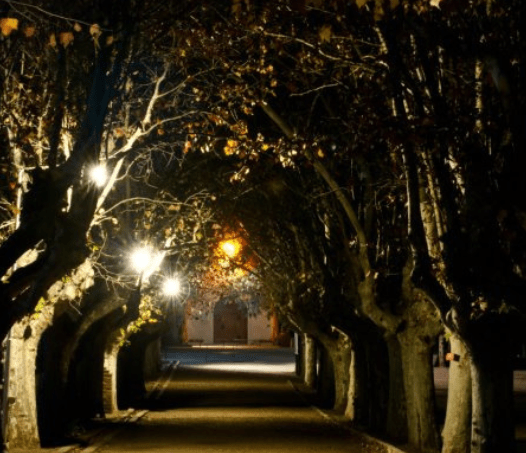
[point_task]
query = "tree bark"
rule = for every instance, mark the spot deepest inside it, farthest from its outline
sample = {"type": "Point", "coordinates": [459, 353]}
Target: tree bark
{"type": "Point", "coordinates": [109, 380]}
{"type": "Point", "coordinates": [419, 392]}
{"type": "Point", "coordinates": [339, 350]}
{"type": "Point", "coordinates": [309, 361]}
{"type": "Point", "coordinates": [325, 385]}
{"type": "Point", "coordinates": [22, 423]}
{"type": "Point", "coordinates": [356, 393]}
{"type": "Point", "coordinates": [396, 425]}
{"type": "Point", "coordinates": [456, 435]}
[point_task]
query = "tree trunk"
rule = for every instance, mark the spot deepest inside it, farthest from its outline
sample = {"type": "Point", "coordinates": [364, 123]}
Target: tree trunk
{"type": "Point", "coordinates": [109, 379]}
{"type": "Point", "coordinates": [95, 313]}
{"type": "Point", "coordinates": [325, 385]}
{"type": "Point", "coordinates": [490, 350]}
{"type": "Point", "coordinates": [441, 351]}
{"type": "Point", "coordinates": [22, 424]}
{"type": "Point", "coordinates": [340, 353]}
{"type": "Point", "coordinates": [396, 427]}
{"type": "Point", "coordinates": [456, 435]}
{"type": "Point", "coordinates": [357, 393]}
{"type": "Point", "coordinates": [309, 361]}
{"type": "Point", "coordinates": [152, 359]}
{"type": "Point", "coordinates": [417, 369]}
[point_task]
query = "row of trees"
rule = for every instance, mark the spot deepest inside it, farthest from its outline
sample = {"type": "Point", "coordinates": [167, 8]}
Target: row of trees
{"type": "Point", "coordinates": [84, 83]}
{"type": "Point", "coordinates": [410, 117]}
{"type": "Point", "coordinates": [369, 152]}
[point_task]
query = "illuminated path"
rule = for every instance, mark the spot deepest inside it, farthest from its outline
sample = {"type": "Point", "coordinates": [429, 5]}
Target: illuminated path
{"type": "Point", "coordinates": [229, 401]}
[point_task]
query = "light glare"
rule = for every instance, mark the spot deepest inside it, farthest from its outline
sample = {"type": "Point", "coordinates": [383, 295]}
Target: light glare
{"type": "Point", "coordinates": [230, 248]}
{"type": "Point", "coordinates": [141, 258]}
{"type": "Point", "coordinates": [98, 175]}
{"type": "Point", "coordinates": [171, 287]}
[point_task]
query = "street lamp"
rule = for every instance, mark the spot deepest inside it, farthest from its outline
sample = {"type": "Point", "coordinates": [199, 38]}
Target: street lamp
{"type": "Point", "coordinates": [171, 287]}
{"type": "Point", "coordinates": [98, 175]}
{"type": "Point", "coordinates": [146, 261]}
{"type": "Point", "coordinates": [230, 248]}
{"type": "Point", "coordinates": [140, 258]}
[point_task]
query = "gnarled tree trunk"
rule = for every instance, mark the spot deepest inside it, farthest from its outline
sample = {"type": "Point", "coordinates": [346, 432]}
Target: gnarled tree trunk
{"type": "Point", "coordinates": [339, 349]}
{"type": "Point", "coordinates": [419, 391]}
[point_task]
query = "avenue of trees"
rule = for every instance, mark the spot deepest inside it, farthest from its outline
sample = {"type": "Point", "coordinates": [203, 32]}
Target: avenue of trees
{"type": "Point", "coordinates": [369, 155]}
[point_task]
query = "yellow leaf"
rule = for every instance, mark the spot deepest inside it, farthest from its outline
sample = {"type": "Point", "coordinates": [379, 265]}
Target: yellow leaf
{"type": "Point", "coordinates": [29, 31]}
{"type": "Point", "coordinates": [77, 27]}
{"type": "Point", "coordinates": [66, 38]}
{"type": "Point", "coordinates": [320, 153]}
{"type": "Point", "coordinates": [394, 3]}
{"type": "Point", "coordinates": [435, 3]}
{"type": "Point", "coordinates": [325, 33]}
{"type": "Point", "coordinates": [109, 40]}
{"type": "Point", "coordinates": [361, 3]}
{"type": "Point", "coordinates": [8, 24]}
{"type": "Point", "coordinates": [53, 40]}
{"type": "Point", "coordinates": [95, 31]}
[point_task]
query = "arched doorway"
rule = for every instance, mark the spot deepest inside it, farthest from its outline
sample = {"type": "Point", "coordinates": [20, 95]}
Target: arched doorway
{"type": "Point", "coordinates": [230, 322]}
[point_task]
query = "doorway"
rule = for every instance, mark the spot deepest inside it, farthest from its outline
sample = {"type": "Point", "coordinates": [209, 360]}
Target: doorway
{"type": "Point", "coordinates": [230, 323]}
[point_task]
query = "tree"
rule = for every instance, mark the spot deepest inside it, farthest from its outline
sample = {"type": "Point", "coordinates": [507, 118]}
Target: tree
{"type": "Point", "coordinates": [70, 100]}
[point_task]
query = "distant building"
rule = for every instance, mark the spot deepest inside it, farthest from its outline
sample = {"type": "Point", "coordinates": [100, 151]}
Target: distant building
{"type": "Point", "coordinates": [230, 322]}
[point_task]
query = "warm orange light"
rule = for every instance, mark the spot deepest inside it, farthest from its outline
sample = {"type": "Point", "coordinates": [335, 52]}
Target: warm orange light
{"type": "Point", "coordinates": [230, 248]}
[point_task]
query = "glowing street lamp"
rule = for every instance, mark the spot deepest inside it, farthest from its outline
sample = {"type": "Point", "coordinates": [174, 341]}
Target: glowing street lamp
{"type": "Point", "coordinates": [171, 287]}
{"type": "Point", "coordinates": [98, 175]}
{"type": "Point", "coordinates": [146, 261]}
{"type": "Point", "coordinates": [141, 259]}
{"type": "Point", "coordinates": [230, 248]}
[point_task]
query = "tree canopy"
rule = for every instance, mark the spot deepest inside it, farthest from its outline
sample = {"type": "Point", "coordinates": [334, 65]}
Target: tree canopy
{"type": "Point", "coordinates": [367, 154]}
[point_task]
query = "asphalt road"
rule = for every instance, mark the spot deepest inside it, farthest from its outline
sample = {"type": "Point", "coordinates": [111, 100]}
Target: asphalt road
{"type": "Point", "coordinates": [232, 400]}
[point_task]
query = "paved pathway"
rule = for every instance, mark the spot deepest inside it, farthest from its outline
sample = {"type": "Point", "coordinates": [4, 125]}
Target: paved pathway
{"type": "Point", "coordinates": [241, 400]}
{"type": "Point", "coordinates": [233, 409]}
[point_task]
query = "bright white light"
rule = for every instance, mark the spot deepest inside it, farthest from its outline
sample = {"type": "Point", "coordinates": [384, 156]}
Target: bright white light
{"type": "Point", "coordinates": [155, 263]}
{"type": "Point", "coordinates": [171, 287]}
{"type": "Point", "coordinates": [271, 368]}
{"type": "Point", "coordinates": [146, 261]}
{"type": "Point", "coordinates": [141, 258]}
{"type": "Point", "coordinates": [98, 175]}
